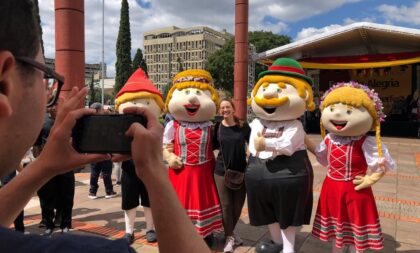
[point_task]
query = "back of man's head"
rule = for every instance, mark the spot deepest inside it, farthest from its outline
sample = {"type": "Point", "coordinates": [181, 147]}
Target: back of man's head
{"type": "Point", "coordinates": [19, 33]}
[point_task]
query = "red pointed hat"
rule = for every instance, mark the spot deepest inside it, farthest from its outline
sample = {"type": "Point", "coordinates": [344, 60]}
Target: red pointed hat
{"type": "Point", "coordinates": [138, 81]}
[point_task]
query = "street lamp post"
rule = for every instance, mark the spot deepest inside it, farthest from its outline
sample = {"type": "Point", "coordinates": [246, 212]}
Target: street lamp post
{"type": "Point", "coordinates": [103, 50]}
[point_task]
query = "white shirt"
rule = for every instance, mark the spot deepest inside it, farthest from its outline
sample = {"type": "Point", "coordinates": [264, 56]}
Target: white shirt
{"type": "Point", "coordinates": [292, 139]}
{"type": "Point", "coordinates": [169, 133]}
{"type": "Point", "coordinates": [369, 147]}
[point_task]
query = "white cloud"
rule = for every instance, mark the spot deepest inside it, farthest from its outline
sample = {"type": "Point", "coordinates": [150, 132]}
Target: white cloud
{"type": "Point", "coordinates": [218, 14]}
{"type": "Point", "coordinates": [349, 21]}
{"type": "Point", "coordinates": [405, 14]}
{"type": "Point", "coordinates": [309, 31]}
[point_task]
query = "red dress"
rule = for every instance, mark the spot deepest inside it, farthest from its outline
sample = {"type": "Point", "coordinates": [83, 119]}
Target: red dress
{"type": "Point", "coordinates": [344, 214]}
{"type": "Point", "coordinates": [194, 182]}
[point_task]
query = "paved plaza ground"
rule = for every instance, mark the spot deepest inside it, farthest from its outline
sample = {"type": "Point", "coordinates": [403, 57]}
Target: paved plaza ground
{"type": "Point", "coordinates": [397, 197]}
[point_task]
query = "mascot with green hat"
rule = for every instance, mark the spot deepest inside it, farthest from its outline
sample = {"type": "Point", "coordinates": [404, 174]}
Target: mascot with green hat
{"type": "Point", "coordinates": [279, 176]}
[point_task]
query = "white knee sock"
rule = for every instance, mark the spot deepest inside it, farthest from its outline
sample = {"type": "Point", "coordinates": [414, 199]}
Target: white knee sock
{"type": "Point", "coordinates": [352, 249]}
{"type": "Point", "coordinates": [275, 233]}
{"type": "Point", "coordinates": [288, 236]}
{"type": "Point", "coordinates": [335, 249]}
{"type": "Point", "coordinates": [130, 217]}
{"type": "Point", "coordinates": [149, 218]}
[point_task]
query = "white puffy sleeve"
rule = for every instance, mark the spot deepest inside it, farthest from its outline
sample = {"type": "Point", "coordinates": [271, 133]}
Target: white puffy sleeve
{"type": "Point", "coordinates": [370, 151]}
{"type": "Point", "coordinates": [321, 153]}
{"type": "Point", "coordinates": [293, 139]}
{"type": "Point", "coordinates": [169, 133]}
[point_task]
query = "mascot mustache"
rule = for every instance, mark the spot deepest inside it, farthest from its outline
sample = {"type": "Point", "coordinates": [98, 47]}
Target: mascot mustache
{"type": "Point", "coordinates": [274, 102]}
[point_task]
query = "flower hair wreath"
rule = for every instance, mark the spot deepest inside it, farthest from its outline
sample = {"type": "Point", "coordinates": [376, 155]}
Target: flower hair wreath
{"type": "Point", "coordinates": [372, 94]}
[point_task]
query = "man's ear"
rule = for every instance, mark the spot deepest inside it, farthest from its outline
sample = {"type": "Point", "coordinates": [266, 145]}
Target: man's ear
{"type": "Point", "coordinates": [7, 64]}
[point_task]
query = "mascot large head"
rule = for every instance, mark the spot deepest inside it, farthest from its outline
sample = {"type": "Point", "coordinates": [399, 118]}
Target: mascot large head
{"type": "Point", "coordinates": [192, 97]}
{"type": "Point", "coordinates": [283, 92]}
{"type": "Point", "coordinates": [139, 91]}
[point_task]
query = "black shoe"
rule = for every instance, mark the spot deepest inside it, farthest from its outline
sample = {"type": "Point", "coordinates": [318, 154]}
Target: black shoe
{"type": "Point", "coordinates": [151, 236]}
{"type": "Point", "coordinates": [48, 232]}
{"type": "Point", "coordinates": [129, 238]}
{"type": "Point", "coordinates": [209, 240]}
{"type": "Point", "coordinates": [268, 247]}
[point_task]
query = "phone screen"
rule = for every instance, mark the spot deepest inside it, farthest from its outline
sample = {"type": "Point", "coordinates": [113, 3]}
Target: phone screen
{"type": "Point", "coordinates": [104, 133]}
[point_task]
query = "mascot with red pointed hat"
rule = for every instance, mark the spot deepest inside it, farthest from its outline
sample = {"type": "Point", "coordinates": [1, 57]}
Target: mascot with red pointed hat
{"type": "Point", "coordinates": [279, 176]}
{"type": "Point", "coordinates": [138, 91]}
{"type": "Point", "coordinates": [192, 102]}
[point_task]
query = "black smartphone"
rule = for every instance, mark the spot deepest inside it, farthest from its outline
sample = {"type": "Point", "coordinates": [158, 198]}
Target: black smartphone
{"type": "Point", "coordinates": [104, 134]}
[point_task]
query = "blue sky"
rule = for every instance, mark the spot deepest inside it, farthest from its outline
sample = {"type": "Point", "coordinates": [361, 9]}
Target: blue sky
{"type": "Point", "coordinates": [296, 18]}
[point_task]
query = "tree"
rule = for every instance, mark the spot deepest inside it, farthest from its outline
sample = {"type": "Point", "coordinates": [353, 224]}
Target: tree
{"type": "Point", "coordinates": [220, 64]}
{"type": "Point", "coordinates": [123, 67]}
{"type": "Point", "coordinates": [263, 41]}
{"type": "Point", "coordinates": [38, 19]}
{"type": "Point", "coordinates": [92, 92]}
{"type": "Point", "coordinates": [166, 89]}
{"type": "Point", "coordinates": [139, 62]}
{"type": "Point", "coordinates": [180, 68]}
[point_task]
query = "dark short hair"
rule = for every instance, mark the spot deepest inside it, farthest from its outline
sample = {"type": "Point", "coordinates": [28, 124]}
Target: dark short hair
{"type": "Point", "coordinates": [19, 32]}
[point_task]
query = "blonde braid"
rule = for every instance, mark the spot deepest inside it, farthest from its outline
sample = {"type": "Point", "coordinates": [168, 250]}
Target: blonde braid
{"type": "Point", "coordinates": [322, 129]}
{"type": "Point", "coordinates": [378, 137]}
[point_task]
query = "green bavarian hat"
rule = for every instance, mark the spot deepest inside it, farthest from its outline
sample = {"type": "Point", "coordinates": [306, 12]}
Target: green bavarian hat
{"type": "Point", "coordinates": [287, 67]}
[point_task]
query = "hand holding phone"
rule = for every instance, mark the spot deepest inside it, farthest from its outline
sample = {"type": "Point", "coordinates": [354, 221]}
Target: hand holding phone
{"type": "Point", "coordinates": [104, 134]}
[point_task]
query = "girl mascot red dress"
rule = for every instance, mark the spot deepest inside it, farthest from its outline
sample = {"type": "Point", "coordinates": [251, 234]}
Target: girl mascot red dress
{"type": "Point", "coordinates": [192, 102]}
{"type": "Point", "coordinates": [347, 211]}
{"type": "Point", "coordinates": [279, 175]}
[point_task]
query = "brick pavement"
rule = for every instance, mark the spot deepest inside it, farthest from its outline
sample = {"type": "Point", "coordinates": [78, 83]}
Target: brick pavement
{"type": "Point", "coordinates": [397, 197]}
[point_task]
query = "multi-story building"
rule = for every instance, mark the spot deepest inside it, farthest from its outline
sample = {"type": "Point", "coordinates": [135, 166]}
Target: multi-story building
{"type": "Point", "coordinates": [94, 70]}
{"type": "Point", "coordinates": [167, 49]}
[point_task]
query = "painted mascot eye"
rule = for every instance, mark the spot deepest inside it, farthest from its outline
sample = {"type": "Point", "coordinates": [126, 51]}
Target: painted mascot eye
{"type": "Point", "coordinates": [187, 92]}
{"type": "Point", "coordinates": [331, 108]}
{"type": "Point", "coordinates": [278, 90]}
{"type": "Point", "coordinates": [349, 112]}
{"type": "Point", "coordinates": [198, 92]}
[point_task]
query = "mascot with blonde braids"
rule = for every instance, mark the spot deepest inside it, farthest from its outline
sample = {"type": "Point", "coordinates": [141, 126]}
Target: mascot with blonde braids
{"type": "Point", "coordinates": [347, 211]}
{"type": "Point", "coordinates": [188, 149]}
{"type": "Point", "coordinates": [279, 176]}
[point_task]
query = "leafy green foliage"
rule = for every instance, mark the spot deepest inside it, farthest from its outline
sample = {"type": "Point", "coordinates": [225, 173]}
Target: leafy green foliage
{"type": "Point", "coordinates": [221, 63]}
{"type": "Point", "coordinates": [139, 62]}
{"type": "Point", "coordinates": [123, 67]}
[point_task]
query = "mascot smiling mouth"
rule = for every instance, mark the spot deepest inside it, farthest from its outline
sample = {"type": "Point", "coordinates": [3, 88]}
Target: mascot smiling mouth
{"type": "Point", "coordinates": [339, 124]}
{"type": "Point", "coordinates": [191, 109]}
{"type": "Point", "coordinates": [269, 110]}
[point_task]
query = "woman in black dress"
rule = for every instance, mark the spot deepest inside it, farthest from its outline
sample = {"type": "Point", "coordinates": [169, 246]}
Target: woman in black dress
{"type": "Point", "coordinates": [230, 136]}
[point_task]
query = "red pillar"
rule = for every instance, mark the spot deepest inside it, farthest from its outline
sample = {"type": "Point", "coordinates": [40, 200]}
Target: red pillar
{"type": "Point", "coordinates": [70, 43]}
{"type": "Point", "coordinates": [241, 58]}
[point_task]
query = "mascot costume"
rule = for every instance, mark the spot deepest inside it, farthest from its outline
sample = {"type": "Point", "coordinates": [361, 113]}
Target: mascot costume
{"type": "Point", "coordinates": [346, 210]}
{"type": "Point", "coordinates": [192, 102]}
{"type": "Point", "coordinates": [279, 176]}
{"type": "Point", "coordinates": [138, 91]}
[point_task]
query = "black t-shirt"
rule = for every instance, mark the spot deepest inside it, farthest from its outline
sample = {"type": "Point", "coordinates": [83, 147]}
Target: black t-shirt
{"type": "Point", "coordinates": [11, 241]}
{"type": "Point", "coordinates": [233, 141]}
